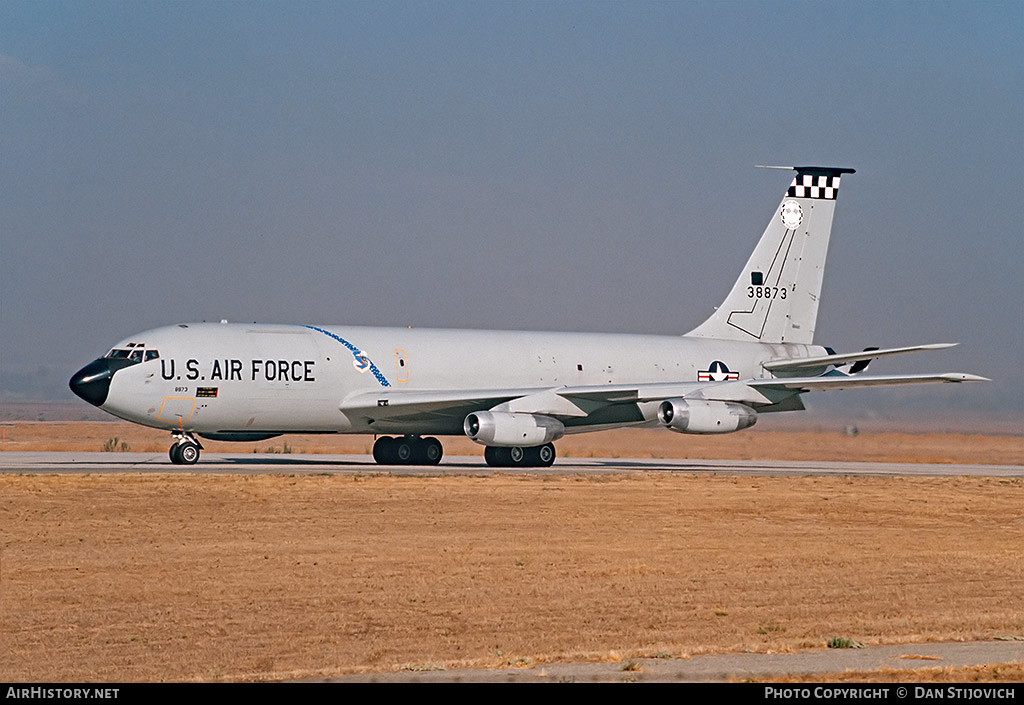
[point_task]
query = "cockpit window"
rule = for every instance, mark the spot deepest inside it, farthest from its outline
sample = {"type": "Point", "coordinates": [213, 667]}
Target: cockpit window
{"type": "Point", "coordinates": [133, 355]}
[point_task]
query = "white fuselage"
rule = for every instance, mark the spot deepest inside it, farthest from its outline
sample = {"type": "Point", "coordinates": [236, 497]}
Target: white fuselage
{"type": "Point", "coordinates": [249, 379]}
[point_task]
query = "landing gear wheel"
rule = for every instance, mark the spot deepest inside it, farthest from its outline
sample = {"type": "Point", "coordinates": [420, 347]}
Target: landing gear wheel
{"type": "Point", "coordinates": [520, 457]}
{"type": "Point", "coordinates": [185, 449]}
{"type": "Point", "coordinates": [384, 450]}
{"type": "Point", "coordinates": [188, 452]}
{"type": "Point", "coordinates": [432, 450]}
{"type": "Point", "coordinates": [545, 455]}
{"type": "Point", "coordinates": [405, 450]}
{"type": "Point", "coordinates": [498, 457]}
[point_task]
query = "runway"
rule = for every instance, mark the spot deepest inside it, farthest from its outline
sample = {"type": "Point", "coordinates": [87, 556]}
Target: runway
{"type": "Point", "coordinates": [252, 463]}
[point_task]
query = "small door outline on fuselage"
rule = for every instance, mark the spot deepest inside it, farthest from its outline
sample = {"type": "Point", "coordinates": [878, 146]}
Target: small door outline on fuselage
{"type": "Point", "coordinates": [178, 419]}
{"type": "Point", "coordinates": [401, 365]}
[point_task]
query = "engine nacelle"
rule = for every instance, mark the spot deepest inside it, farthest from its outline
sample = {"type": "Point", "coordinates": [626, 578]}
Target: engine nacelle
{"type": "Point", "coordinates": [698, 416]}
{"type": "Point", "coordinates": [507, 429]}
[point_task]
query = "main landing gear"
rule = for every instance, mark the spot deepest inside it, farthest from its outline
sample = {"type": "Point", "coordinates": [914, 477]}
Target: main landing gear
{"type": "Point", "coordinates": [518, 457]}
{"type": "Point", "coordinates": [407, 450]}
{"type": "Point", "coordinates": [185, 450]}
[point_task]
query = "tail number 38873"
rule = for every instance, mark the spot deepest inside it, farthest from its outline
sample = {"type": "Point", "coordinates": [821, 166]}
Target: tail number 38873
{"type": "Point", "coordinates": [766, 292]}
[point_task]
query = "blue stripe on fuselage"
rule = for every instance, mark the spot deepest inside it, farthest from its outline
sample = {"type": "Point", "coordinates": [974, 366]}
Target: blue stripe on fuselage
{"type": "Point", "coordinates": [356, 353]}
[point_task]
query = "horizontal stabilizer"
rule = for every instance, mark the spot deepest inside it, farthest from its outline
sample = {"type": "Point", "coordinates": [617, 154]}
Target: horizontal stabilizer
{"type": "Point", "coordinates": [844, 381]}
{"type": "Point", "coordinates": [789, 364]}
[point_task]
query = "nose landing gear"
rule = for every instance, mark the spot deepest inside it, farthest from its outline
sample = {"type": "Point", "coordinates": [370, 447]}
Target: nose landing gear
{"type": "Point", "coordinates": [185, 450]}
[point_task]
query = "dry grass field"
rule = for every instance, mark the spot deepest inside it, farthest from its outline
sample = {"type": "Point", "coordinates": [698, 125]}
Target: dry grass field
{"type": "Point", "coordinates": [179, 576]}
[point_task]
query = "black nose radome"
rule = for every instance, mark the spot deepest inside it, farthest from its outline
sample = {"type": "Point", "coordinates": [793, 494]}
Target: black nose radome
{"type": "Point", "coordinates": [92, 382]}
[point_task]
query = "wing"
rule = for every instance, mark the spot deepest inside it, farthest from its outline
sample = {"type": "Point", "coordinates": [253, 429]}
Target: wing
{"type": "Point", "coordinates": [397, 410]}
{"type": "Point", "coordinates": [604, 405]}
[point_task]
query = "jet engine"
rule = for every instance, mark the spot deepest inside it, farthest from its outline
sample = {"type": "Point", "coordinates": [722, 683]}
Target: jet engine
{"type": "Point", "coordinates": [507, 429]}
{"type": "Point", "coordinates": [699, 416]}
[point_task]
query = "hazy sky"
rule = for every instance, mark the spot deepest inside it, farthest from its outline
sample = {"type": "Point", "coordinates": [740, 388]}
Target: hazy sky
{"type": "Point", "coordinates": [534, 165]}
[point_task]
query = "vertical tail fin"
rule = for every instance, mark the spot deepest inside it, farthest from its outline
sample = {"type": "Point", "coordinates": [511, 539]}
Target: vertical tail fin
{"type": "Point", "coordinates": [775, 299]}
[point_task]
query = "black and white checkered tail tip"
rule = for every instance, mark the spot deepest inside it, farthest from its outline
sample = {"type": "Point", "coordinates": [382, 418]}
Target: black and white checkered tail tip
{"type": "Point", "coordinates": [820, 182]}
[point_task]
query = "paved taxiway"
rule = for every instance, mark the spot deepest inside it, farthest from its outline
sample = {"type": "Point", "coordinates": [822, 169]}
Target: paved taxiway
{"type": "Point", "coordinates": [724, 667]}
{"type": "Point", "coordinates": [241, 463]}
